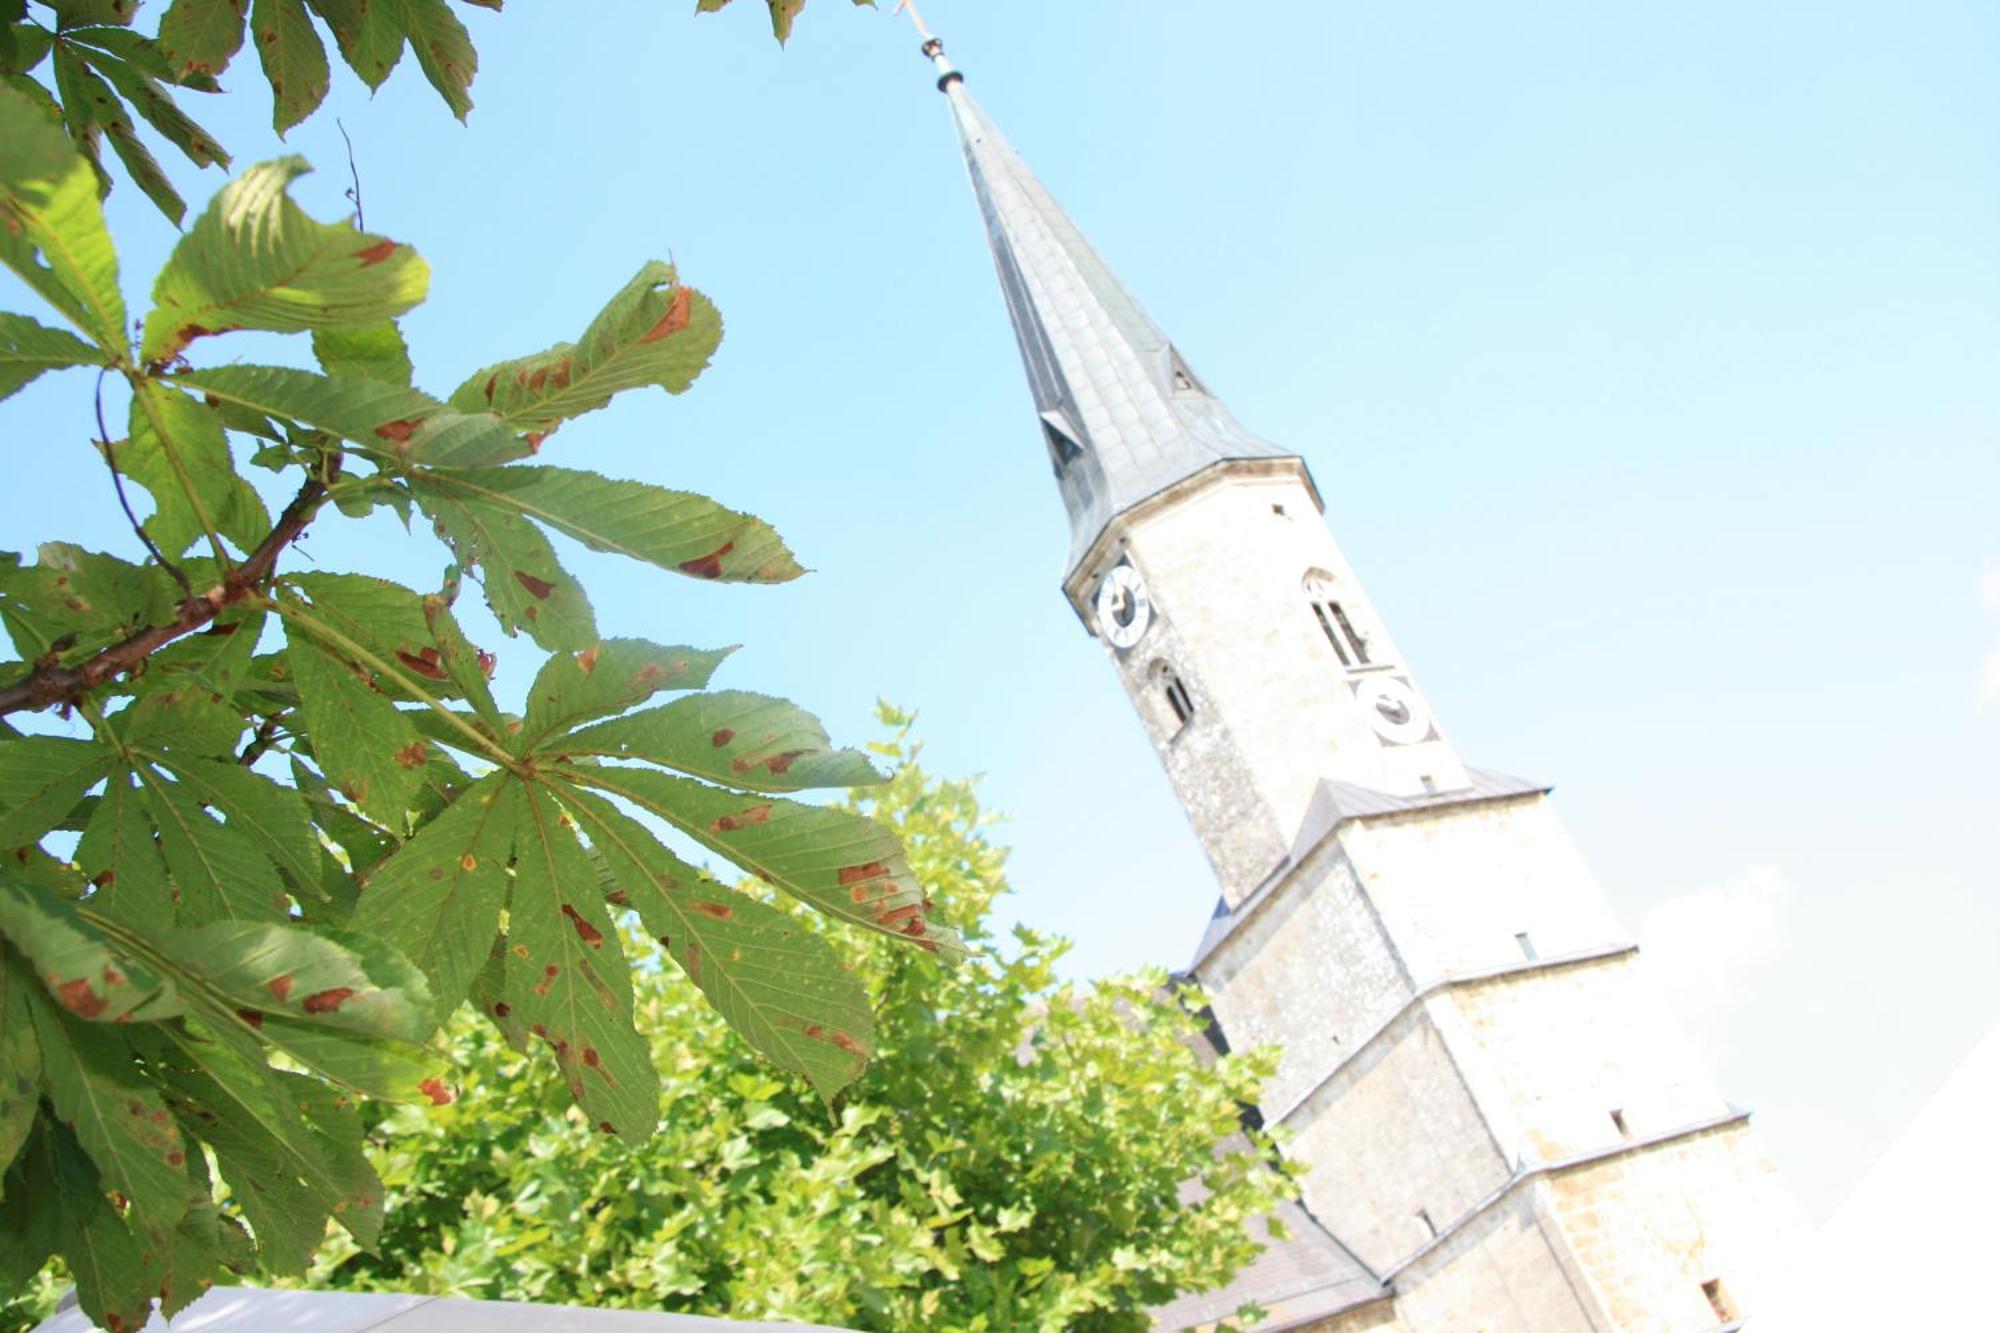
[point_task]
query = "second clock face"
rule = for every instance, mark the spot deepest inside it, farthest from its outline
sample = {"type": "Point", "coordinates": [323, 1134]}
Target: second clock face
{"type": "Point", "coordinates": [1123, 608]}
{"type": "Point", "coordinates": [1393, 710]}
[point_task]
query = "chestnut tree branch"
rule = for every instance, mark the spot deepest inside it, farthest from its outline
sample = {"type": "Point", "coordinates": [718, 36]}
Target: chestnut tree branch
{"type": "Point", "coordinates": [49, 685]}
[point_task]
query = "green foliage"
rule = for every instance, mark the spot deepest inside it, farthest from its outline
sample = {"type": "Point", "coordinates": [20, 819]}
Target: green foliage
{"type": "Point", "coordinates": [1013, 1158]}
{"type": "Point", "coordinates": [782, 13]}
{"type": "Point", "coordinates": [295, 829]}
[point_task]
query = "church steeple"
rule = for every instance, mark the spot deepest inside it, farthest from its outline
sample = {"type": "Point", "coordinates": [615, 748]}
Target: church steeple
{"type": "Point", "coordinates": [1123, 416]}
{"type": "Point", "coordinates": [1488, 1109]}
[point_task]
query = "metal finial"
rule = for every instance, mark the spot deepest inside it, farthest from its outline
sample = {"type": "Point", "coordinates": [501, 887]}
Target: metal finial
{"type": "Point", "coordinates": [933, 48]}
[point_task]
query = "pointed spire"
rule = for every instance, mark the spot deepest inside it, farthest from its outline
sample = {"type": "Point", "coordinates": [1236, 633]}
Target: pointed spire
{"type": "Point", "coordinates": [1122, 415]}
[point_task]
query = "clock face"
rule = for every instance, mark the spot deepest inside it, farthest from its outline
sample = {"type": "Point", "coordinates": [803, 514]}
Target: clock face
{"type": "Point", "coordinates": [1393, 710]}
{"type": "Point", "coordinates": [1123, 608]}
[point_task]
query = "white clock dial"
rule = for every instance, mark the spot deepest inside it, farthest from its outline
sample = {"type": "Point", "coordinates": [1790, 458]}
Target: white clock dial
{"type": "Point", "coordinates": [1123, 608]}
{"type": "Point", "coordinates": [1393, 709]}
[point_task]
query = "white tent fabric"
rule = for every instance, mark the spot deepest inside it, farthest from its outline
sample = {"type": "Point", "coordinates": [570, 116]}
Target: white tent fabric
{"type": "Point", "coordinates": [248, 1310]}
{"type": "Point", "coordinates": [1913, 1246]}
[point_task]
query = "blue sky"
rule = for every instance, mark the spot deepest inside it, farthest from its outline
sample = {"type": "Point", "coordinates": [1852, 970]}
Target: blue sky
{"type": "Point", "coordinates": [1645, 359]}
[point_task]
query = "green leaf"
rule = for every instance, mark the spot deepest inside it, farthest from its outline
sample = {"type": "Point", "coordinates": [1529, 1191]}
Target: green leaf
{"type": "Point", "coordinates": [254, 260]}
{"type": "Point", "coordinates": [118, 855]}
{"type": "Point", "coordinates": [178, 451]}
{"type": "Point", "coordinates": [27, 1222]}
{"type": "Point", "coordinates": [52, 226]}
{"type": "Point", "coordinates": [364, 843]}
{"type": "Point", "coordinates": [218, 869]}
{"type": "Point", "coordinates": [357, 1196]}
{"type": "Point", "coordinates": [116, 1274]}
{"type": "Point", "coordinates": [116, 1115]}
{"type": "Point", "coordinates": [276, 1170]}
{"type": "Point", "coordinates": [205, 1244]}
{"type": "Point", "coordinates": [198, 37]}
{"type": "Point", "coordinates": [844, 864]}
{"type": "Point", "coordinates": [217, 660]}
{"type": "Point", "coordinates": [730, 737]}
{"type": "Point", "coordinates": [294, 61]}
{"type": "Point", "coordinates": [675, 530]}
{"type": "Point", "coordinates": [41, 779]}
{"type": "Point", "coordinates": [654, 331]}
{"type": "Point", "coordinates": [366, 32]}
{"type": "Point", "coordinates": [438, 897]}
{"type": "Point", "coordinates": [20, 1055]}
{"type": "Point", "coordinates": [568, 978]}
{"type": "Point", "coordinates": [776, 982]}
{"type": "Point", "coordinates": [77, 965]}
{"type": "Point", "coordinates": [405, 424]}
{"type": "Point", "coordinates": [145, 170]}
{"type": "Point", "coordinates": [607, 678]}
{"type": "Point", "coordinates": [364, 351]}
{"type": "Point", "coordinates": [271, 818]}
{"type": "Point", "coordinates": [89, 102]}
{"type": "Point", "coordinates": [368, 749]}
{"type": "Point", "coordinates": [372, 1066]}
{"type": "Point", "coordinates": [525, 584]}
{"type": "Point", "coordinates": [27, 349]}
{"type": "Point", "coordinates": [190, 719]}
{"type": "Point", "coordinates": [73, 593]}
{"type": "Point", "coordinates": [443, 47]}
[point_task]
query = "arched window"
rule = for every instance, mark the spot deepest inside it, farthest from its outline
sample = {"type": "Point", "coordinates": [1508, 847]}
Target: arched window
{"type": "Point", "coordinates": [1348, 645]}
{"type": "Point", "coordinates": [1175, 691]}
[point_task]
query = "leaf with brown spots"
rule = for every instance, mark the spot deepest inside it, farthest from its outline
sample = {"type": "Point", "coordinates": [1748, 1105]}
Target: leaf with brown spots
{"type": "Point", "coordinates": [653, 332]}
{"type": "Point", "coordinates": [607, 677]}
{"type": "Point", "coordinates": [672, 530]}
{"type": "Point", "coordinates": [294, 61]}
{"type": "Point", "coordinates": [332, 979]}
{"type": "Point", "coordinates": [357, 732]}
{"type": "Point", "coordinates": [92, 1082]}
{"type": "Point", "coordinates": [573, 988]}
{"type": "Point", "coordinates": [78, 965]}
{"type": "Point", "coordinates": [368, 35]}
{"type": "Point", "coordinates": [121, 857]}
{"type": "Point", "coordinates": [200, 36]}
{"type": "Point", "coordinates": [772, 979]}
{"type": "Point", "coordinates": [442, 45]}
{"type": "Point", "coordinates": [20, 1057]}
{"type": "Point", "coordinates": [802, 849]}
{"type": "Point", "coordinates": [438, 898]}
{"type": "Point", "coordinates": [731, 737]}
{"type": "Point", "coordinates": [418, 427]}
{"type": "Point", "coordinates": [117, 1272]}
{"type": "Point", "coordinates": [525, 584]}
{"type": "Point", "coordinates": [254, 259]}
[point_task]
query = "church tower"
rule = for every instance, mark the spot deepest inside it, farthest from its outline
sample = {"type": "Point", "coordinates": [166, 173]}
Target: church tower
{"type": "Point", "coordinates": [1500, 1128]}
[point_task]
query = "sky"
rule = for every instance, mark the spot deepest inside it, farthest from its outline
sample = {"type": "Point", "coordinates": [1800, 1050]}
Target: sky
{"type": "Point", "coordinates": [1644, 358]}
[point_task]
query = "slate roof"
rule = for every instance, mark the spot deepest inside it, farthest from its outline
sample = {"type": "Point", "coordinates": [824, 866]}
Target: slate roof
{"type": "Point", "coordinates": [1122, 416]}
{"type": "Point", "coordinates": [1310, 1276]}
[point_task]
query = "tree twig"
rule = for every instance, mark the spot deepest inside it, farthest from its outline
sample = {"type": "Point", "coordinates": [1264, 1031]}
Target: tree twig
{"type": "Point", "coordinates": [260, 743]}
{"type": "Point", "coordinates": [50, 684]}
{"type": "Point", "coordinates": [118, 484]}
{"type": "Point", "coordinates": [353, 174]}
